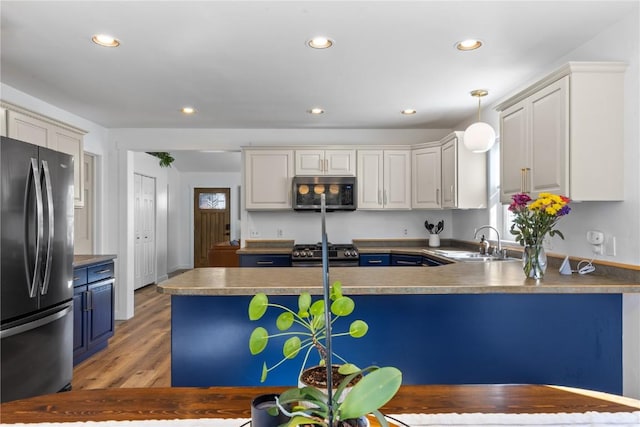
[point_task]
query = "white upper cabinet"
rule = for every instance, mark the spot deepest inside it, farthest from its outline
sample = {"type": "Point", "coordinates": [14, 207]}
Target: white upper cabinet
{"type": "Point", "coordinates": [445, 175]}
{"type": "Point", "coordinates": [39, 130]}
{"type": "Point", "coordinates": [384, 179]}
{"type": "Point", "coordinates": [340, 162]}
{"type": "Point", "coordinates": [564, 134]}
{"type": "Point", "coordinates": [268, 176]}
{"type": "Point", "coordinates": [464, 175]}
{"type": "Point", "coordinates": [426, 178]}
{"type": "Point", "coordinates": [3, 121]}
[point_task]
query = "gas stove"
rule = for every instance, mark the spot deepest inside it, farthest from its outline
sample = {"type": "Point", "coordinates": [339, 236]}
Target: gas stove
{"type": "Point", "coordinates": [339, 255]}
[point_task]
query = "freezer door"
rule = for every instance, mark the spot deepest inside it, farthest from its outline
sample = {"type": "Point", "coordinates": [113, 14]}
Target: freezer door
{"type": "Point", "coordinates": [56, 177]}
{"type": "Point", "coordinates": [36, 356]}
{"type": "Point", "coordinates": [18, 220]}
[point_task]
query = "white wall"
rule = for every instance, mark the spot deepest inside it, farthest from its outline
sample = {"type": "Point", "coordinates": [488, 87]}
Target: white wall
{"type": "Point", "coordinates": [181, 191]}
{"type": "Point", "coordinates": [342, 227]}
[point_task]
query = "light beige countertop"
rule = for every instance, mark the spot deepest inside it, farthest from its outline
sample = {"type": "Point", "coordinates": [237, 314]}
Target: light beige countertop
{"type": "Point", "coordinates": [456, 278]}
{"type": "Point", "coordinates": [84, 260]}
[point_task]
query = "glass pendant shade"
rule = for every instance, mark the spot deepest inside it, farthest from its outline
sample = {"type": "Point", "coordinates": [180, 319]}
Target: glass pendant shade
{"type": "Point", "coordinates": [479, 137]}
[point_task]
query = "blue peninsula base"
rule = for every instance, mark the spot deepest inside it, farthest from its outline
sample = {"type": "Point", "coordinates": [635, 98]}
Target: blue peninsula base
{"type": "Point", "coordinates": [563, 339]}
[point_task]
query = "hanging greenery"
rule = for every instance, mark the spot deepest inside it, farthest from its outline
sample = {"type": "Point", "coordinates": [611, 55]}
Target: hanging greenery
{"type": "Point", "coordinates": [165, 158]}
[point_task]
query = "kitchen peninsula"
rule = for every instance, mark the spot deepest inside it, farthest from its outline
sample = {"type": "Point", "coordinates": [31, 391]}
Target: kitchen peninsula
{"type": "Point", "coordinates": [459, 323]}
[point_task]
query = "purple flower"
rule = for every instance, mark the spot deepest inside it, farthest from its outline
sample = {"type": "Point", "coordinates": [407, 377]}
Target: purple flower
{"type": "Point", "coordinates": [564, 210]}
{"type": "Point", "coordinates": [520, 201]}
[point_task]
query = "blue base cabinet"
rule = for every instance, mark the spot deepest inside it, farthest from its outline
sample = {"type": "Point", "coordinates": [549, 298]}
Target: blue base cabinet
{"type": "Point", "coordinates": [93, 309]}
{"type": "Point", "coordinates": [566, 339]}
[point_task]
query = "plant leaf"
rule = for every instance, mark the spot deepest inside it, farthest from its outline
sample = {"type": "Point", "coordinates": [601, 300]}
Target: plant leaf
{"type": "Point", "coordinates": [284, 320]}
{"type": "Point", "coordinates": [300, 421]}
{"type": "Point", "coordinates": [371, 392]}
{"type": "Point", "coordinates": [291, 347]}
{"type": "Point", "coordinates": [317, 308]}
{"type": "Point", "coordinates": [265, 371]}
{"type": "Point", "coordinates": [304, 302]}
{"type": "Point", "coordinates": [348, 369]}
{"type": "Point", "coordinates": [258, 340]}
{"type": "Point", "coordinates": [258, 306]}
{"type": "Point", "coordinates": [343, 306]}
{"type": "Point", "coordinates": [358, 328]}
{"type": "Point", "coordinates": [336, 290]}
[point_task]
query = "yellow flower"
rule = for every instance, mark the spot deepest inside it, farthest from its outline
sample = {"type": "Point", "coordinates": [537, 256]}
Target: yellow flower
{"type": "Point", "coordinates": [551, 210]}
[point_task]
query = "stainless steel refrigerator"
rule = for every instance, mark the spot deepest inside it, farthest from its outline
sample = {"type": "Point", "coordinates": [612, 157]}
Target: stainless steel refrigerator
{"type": "Point", "coordinates": [36, 276]}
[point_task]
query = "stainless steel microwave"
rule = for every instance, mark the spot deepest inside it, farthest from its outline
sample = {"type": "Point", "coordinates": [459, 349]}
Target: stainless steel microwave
{"type": "Point", "coordinates": [340, 193]}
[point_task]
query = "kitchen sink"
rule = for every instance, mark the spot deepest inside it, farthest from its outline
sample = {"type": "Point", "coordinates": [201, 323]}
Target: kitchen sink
{"type": "Point", "coordinates": [468, 256]}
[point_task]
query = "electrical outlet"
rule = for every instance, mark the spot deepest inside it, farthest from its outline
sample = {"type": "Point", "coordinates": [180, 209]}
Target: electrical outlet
{"type": "Point", "coordinates": [279, 232]}
{"type": "Point", "coordinates": [405, 232]}
{"type": "Point", "coordinates": [547, 243]}
{"type": "Point", "coordinates": [254, 233]}
{"type": "Point", "coordinates": [596, 238]}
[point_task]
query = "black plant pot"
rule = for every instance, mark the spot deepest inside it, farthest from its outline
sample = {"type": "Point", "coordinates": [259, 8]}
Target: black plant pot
{"type": "Point", "coordinates": [259, 415]}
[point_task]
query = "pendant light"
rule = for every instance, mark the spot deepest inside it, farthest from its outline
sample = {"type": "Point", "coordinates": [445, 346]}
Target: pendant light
{"type": "Point", "coordinates": [479, 137]}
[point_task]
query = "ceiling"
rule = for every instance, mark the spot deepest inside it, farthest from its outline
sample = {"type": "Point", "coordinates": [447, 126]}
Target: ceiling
{"type": "Point", "coordinates": [245, 64]}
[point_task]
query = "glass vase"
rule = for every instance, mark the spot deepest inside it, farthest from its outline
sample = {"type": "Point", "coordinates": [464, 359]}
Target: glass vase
{"type": "Point", "coordinates": [534, 261]}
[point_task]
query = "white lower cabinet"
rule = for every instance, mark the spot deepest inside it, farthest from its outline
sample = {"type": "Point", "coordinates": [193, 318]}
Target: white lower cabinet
{"type": "Point", "coordinates": [268, 176]}
{"type": "Point", "coordinates": [45, 132]}
{"type": "Point", "coordinates": [384, 179]}
{"type": "Point", "coordinates": [565, 134]}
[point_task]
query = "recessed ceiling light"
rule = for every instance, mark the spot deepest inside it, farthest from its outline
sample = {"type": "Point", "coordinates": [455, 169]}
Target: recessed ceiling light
{"type": "Point", "coordinates": [408, 111]}
{"type": "Point", "coordinates": [320, 43]}
{"type": "Point", "coordinates": [105, 40]}
{"type": "Point", "coordinates": [316, 111]}
{"type": "Point", "coordinates": [188, 110]}
{"type": "Point", "coordinates": [470, 44]}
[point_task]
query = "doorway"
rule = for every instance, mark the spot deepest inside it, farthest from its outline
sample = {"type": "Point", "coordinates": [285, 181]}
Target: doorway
{"type": "Point", "coordinates": [145, 230]}
{"type": "Point", "coordinates": [211, 221]}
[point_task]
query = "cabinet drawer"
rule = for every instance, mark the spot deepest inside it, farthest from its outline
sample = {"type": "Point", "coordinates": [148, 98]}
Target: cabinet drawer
{"type": "Point", "coordinates": [375, 260]}
{"type": "Point", "coordinates": [406, 260]}
{"type": "Point", "coordinates": [79, 276]}
{"type": "Point", "coordinates": [99, 272]}
{"type": "Point", "coordinates": [265, 261]}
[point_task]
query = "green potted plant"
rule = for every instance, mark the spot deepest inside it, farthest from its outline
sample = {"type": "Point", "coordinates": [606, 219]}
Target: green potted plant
{"type": "Point", "coordinates": [357, 392]}
{"type": "Point", "coordinates": [311, 329]}
{"type": "Point", "coordinates": [312, 406]}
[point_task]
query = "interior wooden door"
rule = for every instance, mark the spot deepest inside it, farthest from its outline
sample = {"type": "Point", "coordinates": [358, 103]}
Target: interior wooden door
{"type": "Point", "coordinates": [211, 221]}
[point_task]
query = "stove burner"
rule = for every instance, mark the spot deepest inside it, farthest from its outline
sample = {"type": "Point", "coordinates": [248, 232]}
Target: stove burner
{"type": "Point", "coordinates": [308, 255]}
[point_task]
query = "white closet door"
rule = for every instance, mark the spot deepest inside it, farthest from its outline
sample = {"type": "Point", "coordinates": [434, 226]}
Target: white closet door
{"type": "Point", "coordinates": [144, 224]}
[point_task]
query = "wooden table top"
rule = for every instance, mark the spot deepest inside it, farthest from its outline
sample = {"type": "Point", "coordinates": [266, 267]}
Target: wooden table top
{"type": "Point", "coordinates": [234, 402]}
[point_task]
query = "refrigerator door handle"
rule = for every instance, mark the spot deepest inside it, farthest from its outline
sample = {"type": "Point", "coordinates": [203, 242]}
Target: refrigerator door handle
{"type": "Point", "coordinates": [37, 323]}
{"type": "Point", "coordinates": [33, 274]}
{"type": "Point", "coordinates": [50, 228]}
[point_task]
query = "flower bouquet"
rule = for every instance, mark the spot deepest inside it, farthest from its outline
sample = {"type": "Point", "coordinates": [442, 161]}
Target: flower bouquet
{"type": "Point", "coordinates": [534, 219]}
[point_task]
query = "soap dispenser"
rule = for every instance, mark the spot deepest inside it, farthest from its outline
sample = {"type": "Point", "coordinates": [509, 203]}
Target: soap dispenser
{"type": "Point", "coordinates": [484, 246]}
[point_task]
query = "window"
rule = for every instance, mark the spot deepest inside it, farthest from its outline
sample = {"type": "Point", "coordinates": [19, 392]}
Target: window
{"type": "Point", "coordinates": [213, 201]}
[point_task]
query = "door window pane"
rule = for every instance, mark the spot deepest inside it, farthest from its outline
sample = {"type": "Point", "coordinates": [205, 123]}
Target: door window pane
{"type": "Point", "coordinates": [215, 201]}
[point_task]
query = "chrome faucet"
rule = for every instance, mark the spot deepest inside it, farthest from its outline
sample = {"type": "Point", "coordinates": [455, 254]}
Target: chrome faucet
{"type": "Point", "coordinates": [498, 253]}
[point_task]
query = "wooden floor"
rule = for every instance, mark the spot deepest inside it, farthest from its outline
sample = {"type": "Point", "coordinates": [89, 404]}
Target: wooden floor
{"type": "Point", "coordinates": [139, 353]}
